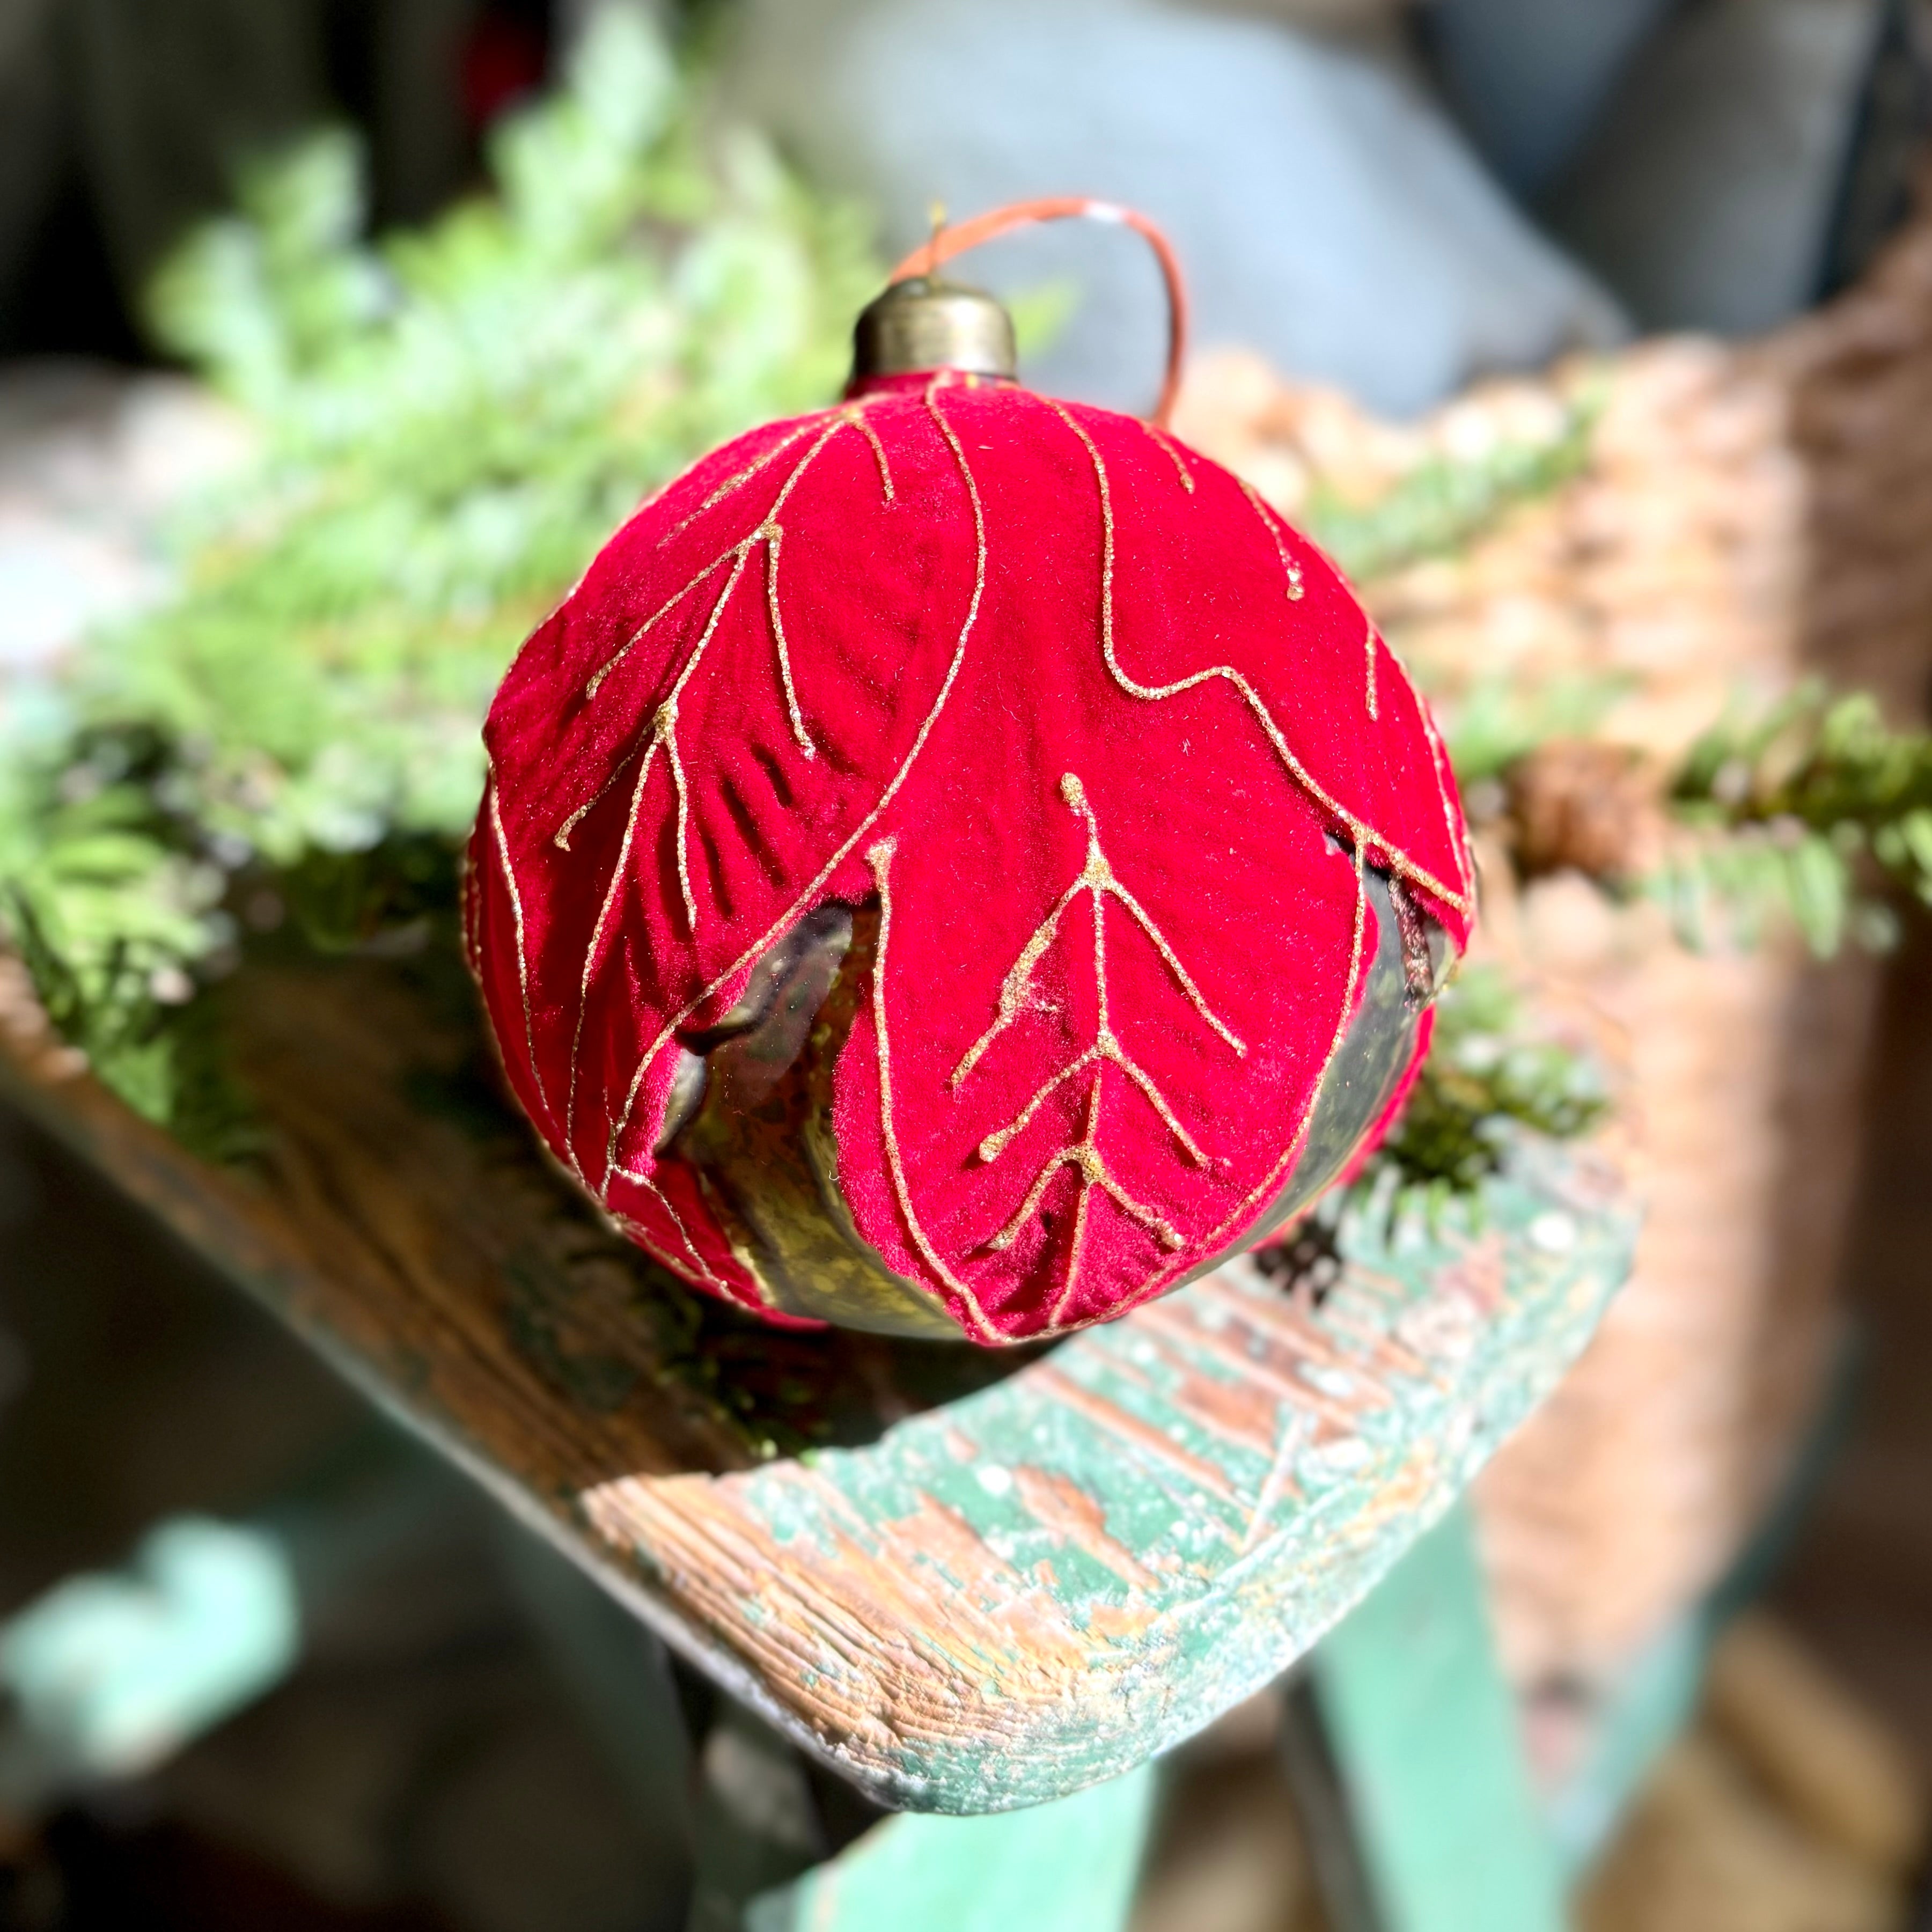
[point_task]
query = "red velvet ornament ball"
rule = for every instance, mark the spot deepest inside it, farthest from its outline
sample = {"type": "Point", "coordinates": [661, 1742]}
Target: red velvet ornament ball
{"type": "Point", "coordinates": [959, 863]}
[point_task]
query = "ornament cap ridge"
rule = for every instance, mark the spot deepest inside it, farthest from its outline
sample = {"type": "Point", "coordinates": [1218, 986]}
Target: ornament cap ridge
{"type": "Point", "coordinates": [923, 323]}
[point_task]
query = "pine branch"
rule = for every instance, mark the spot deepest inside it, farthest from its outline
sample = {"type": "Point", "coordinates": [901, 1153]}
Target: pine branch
{"type": "Point", "coordinates": [1500, 720]}
{"type": "Point", "coordinates": [1801, 809]}
{"type": "Point", "coordinates": [1444, 504]}
{"type": "Point", "coordinates": [1487, 1069]}
{"type": "Point", "coordinates": [1812, 811]}
{"type": "Point", "coordinates": [449, 424]}
{"type": "Point", "coordinates": [165, 1057]}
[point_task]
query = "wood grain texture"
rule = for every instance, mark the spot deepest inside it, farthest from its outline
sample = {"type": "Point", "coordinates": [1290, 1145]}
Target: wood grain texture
{"type": "Point", "coordinates": [969, 1581]}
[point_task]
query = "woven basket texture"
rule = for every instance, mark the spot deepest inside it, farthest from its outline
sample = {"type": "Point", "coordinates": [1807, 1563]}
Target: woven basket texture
{"type": "Point", "coordinates": [1746, 515]}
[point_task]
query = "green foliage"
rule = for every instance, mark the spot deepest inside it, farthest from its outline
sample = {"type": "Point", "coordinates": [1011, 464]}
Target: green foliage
{"type": "Point", "coordinates": [1443, 504]}
{"type": "Point", "coordinates": [1040, 316]}
{"type": "Point", "coordinates": [166, 1057]}
{"type": "Point", "coordinates": [449, 424]}
{"type": "Point", "coordinates": [1500, 719]}
{"type": "Point", "coordinates": [1485, 1069]}
{"type": "Point", "coordinates": [386, 897]}
{"type": "Point", "coordinates": [1792, 812]}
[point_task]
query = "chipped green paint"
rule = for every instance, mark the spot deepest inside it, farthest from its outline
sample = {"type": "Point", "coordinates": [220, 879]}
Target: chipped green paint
{"type": "Point", "coordinates": [1097, 1557]}
{"type": "Point", "coordinates": [1428, 1741]}
{"type": "Point", "coordinates": [1068, 1866]}
{"type": "Point", "coordinates": [997, 1578]}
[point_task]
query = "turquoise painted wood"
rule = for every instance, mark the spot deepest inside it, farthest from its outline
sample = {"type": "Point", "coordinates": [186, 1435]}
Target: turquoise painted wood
{"type": "Point", "coordinates": [1070, 1866]}
{"type": "Point", "coordinates": [107, 1674]}
{"type": "Point", "coordinates": [1425, 1736]}
{"type": "Point", "coordinates": [1040, 1586]}
{"type": "Point", "coordinates": [967, 1582]}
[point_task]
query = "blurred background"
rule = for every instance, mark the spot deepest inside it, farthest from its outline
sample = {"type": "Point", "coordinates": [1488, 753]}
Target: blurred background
{"type": "Point", "coordinates": [1594, 336]}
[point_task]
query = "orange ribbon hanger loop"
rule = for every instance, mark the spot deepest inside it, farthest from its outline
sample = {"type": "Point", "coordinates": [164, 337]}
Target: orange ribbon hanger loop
{"type": "Point", "coordinates": [947, 241]}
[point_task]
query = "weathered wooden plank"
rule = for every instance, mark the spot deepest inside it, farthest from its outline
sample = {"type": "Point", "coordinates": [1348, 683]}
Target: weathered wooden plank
{"type": "Point", "coordinates": [968, 1581]}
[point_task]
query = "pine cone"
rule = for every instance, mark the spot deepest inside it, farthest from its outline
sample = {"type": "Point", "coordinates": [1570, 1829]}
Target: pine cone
{"type": "Point", "coordinates": [1591, 808]}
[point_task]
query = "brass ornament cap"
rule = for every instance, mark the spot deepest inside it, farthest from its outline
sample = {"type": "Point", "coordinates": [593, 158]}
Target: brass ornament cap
{"type": "Point", "coordinates": [923, 323]}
